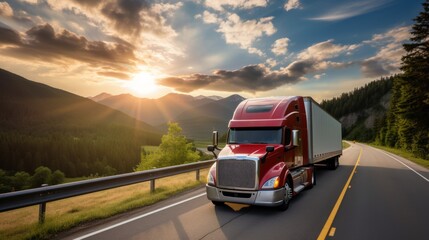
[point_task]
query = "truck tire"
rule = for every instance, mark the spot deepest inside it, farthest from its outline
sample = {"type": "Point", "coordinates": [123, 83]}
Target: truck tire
{"type": "Point", "coordinates": [333, 163]}
{"type": "Point", "coordinates": [216, 203]}
{"type": "Point", "coordinates": [287, 197]}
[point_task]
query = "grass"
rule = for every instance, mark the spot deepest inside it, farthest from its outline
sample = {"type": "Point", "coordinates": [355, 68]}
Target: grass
{"type": "Point", "coordinates": [404, 154]}
{"type": "Point", "coordinates": [345, 145]}
{"type": "Point", "coordinates": [68, 213]}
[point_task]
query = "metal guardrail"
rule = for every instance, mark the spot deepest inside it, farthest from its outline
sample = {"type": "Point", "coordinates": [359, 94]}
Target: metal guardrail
{"type": "Point", "coordinates": [42, 195]}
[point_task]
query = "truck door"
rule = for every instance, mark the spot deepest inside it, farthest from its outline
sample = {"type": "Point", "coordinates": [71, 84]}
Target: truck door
{"type": "Point", "coordinates": [289, 156]}
{"type": "Point", "coordinates": [298, 159]}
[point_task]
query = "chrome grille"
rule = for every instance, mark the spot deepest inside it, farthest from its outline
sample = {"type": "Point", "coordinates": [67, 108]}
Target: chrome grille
{"type": "Point", "coordinates": [237, 173]}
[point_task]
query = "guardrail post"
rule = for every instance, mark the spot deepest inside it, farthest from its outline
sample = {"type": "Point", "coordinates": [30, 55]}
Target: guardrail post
{"type": "Point", "coordinates": [198, 175]}
{"type": "Point", "coordinates": [42, 209]}
{"type": "Point", "coordinates": [152, 186]}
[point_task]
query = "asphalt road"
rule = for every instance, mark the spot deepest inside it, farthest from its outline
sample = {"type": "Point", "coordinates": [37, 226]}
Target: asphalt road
{"type": "Point", "coordinates": [383, 199]}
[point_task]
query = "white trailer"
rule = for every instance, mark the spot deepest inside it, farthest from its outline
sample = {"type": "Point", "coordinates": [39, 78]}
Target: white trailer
{"type": "Point", "coordinates": [324, 135]}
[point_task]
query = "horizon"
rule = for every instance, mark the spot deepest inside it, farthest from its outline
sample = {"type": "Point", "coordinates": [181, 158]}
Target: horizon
{"type": "Point", "coordinates": [257, 48]}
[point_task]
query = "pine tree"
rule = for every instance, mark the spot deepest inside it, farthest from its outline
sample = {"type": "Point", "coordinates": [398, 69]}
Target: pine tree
{"type": "Point", "coordinates": [412, 105]}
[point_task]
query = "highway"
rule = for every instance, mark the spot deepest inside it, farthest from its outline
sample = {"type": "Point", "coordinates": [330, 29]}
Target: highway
{"type": "Point", "coordinates": [372, 195]}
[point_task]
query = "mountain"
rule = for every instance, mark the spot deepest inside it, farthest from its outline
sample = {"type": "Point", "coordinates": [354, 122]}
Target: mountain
{"type": "Point", "coordinates": [42, 125]}
{"type": "Point", "coordinates": [210, 97]}
{"type": "Point", "coordinates": [155, 111]}
{"type": "Point", "coordinates": [100, 97]}
{"type": "Point", "coordinates": [362, 110]}
{"type": "Point", "coordinates": [199, 122]}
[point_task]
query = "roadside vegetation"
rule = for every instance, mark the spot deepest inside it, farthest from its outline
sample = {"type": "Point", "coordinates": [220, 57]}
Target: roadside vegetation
{"type": "Point", "coordinates": [404, 154]}
{"type": "Point", "coordinates": [22, 180]}
{"type": "Point", "coordinates": [173, 150]}
{"type": "Point", "coordinates": [345, 145]}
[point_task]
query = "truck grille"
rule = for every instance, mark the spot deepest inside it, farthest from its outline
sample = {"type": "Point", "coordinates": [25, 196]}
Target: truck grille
{"type": "Point", "coordinates": [237, 174]}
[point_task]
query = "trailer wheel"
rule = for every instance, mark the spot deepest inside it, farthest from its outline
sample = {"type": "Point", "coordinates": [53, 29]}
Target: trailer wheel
{"type": "Point", "coordinates": [333, 163]}
{"type": "Point", "coordinates": [287, 197]}
{"type": "Point", "coordinates": [216, 203]}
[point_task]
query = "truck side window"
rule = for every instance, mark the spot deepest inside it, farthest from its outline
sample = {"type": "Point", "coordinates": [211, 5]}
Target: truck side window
{"type": "Point", "coordinates": [288, 134]}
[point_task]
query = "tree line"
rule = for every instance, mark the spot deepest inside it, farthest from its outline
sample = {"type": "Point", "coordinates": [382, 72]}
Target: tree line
{"type": "Point", "coordinates": [407, 122]}
{"type": "Point", "coordinates": [22, 180]}
{"type": "Point", "coordinates": [78, 152]}
{"type": "Point", "coordinates": [360, 98]}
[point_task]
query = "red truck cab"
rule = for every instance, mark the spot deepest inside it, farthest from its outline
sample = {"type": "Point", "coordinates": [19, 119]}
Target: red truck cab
{"type": "Point", "coordinates": [266, 158]}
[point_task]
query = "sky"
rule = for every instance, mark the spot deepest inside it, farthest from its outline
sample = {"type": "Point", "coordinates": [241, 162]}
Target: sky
{"type": "Point", "coordinates": [255, 48]}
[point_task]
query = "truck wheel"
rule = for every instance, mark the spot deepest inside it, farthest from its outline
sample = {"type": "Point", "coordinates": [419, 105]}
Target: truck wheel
{"type": "Point", "coordinates": [287, 196]}
{"type": "Point", "coordinates": [216, 203]}
{"type": "Point", "coordinates": [333, 163]}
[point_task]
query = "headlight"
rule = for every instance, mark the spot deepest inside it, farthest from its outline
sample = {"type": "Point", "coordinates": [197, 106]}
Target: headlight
{"type": "Point", "coordinates": [211, 176]}
{"type": "Point", "coordinates": [272, 183]}
{"type": "Point", "coordinates": [210, 179]}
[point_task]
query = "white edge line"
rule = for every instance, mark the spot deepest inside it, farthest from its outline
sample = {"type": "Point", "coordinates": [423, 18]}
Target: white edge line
{"type": "Point", "coordinates": [138, 217]}
{"type": "Point", "coordinates": [399, 161]}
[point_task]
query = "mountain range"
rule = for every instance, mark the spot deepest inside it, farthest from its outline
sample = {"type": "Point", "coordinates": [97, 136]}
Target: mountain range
{"type": "Point", "coordinates": [198, 116]}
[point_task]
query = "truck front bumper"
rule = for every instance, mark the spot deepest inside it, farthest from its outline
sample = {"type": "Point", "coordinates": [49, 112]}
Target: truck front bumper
{"type": "Point", "coordinates": [270, 198]}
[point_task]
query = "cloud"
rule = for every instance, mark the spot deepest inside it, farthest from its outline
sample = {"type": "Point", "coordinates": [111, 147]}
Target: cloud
{"type": "Point", "coordinates": [118, 75]}
{"type": "Point", "coordinates": [326, 50]}
{"type": "Point", "coordinates": [208, 17]}
{"type": "Point", "coordinates": [219, 5]}
{"type": "Point", "coordinates": [239, 32]}
{"type": "Point", "coordinates": [351, 9]}
{"type": "Point", "coordinates": [113, 34]}
{"type": "Point", "coordinates": [250, 78]}
{"type": "Point", "coordinates": [271, 62]}
{"type": "Point", "coordinates": [318, 76]}
{"type": "Point", "coordinates": [387, 60]}
{"type": "Point", "coordinates": [257, 78]}
{"type": "Point", "coordinates": [134, 18]}
{"type": "Point", "coordinates": [44, 44]}
{"type": "Point", "coordinates": [279, 47]}
{"type": "Point", "coordinates": [19, 17]}
{"type": "Point", "coordinates": [5, 9]}
{"type": "Point", "coordinates": [292, 4]}
{"type": "Point", "coordinates": [9, 36]}
{"type": "Point", "coordinates": [245, 33]}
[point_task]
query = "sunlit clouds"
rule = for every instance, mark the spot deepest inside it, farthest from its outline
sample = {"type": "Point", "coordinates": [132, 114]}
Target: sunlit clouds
{"type": "Point", "coordinates": [251, 47]}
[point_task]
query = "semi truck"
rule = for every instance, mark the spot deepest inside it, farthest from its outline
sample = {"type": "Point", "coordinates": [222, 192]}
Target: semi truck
{"type": "Point", "coordinates": [272, 147]}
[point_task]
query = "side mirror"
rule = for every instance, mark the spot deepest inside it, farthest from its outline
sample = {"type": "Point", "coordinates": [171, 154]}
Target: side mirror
{"type": "Point", "coordinates": [210, 148]}
{"type": "Point", "coordinates": [215, 138]}
{"type": "Point", "coordinates": [295, 138]}
{"type": "Point", "coordinates": [269, 149]}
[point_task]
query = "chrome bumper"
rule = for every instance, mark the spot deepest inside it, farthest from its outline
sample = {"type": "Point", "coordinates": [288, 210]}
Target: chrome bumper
{"type": "Point", "coordinates": [269, 198]}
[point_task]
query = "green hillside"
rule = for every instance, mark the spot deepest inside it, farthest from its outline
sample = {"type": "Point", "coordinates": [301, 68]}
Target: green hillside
{"type": "Point", "coordinates": [362, 110]}
{"type": "Point", "coordinates": [41, 125]}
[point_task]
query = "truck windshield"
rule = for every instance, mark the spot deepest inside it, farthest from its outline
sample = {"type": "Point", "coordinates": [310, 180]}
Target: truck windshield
{"type": "Point", "coordinates": [255, 136]}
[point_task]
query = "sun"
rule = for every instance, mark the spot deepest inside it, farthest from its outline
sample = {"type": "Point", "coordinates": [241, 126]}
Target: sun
{"type": "Point", "coordinates": [142, 84]}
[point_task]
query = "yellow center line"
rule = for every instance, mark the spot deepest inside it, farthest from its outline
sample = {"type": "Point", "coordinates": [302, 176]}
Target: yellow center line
{"type": "Point", "coordinates": [334, 211]}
